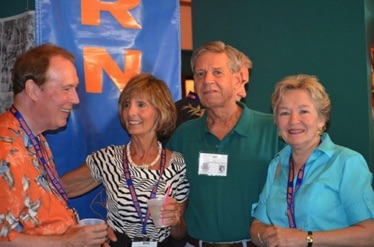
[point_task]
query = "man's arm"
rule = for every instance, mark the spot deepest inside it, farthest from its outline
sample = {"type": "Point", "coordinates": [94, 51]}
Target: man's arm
{"type": "Point", "coordinates": [75, 236]}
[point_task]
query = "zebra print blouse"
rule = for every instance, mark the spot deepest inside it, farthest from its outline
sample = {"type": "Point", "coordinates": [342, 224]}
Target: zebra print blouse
{"type": "Point", "coordinates": [106, 166]}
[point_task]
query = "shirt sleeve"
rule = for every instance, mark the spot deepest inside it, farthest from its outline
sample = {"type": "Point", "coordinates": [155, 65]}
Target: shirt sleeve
{"type": "Point", "coordinates": [182, 186]}
{"type": "Point", "coordinates": [259, 209]}
{"type": "Point", "coordinates": [356, 192]}
{"type": "Point", "coordinates": [92, 163]}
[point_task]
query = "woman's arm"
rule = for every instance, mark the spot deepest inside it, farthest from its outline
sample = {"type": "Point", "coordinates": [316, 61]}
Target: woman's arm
{"type": "Point", "coordinates": [179, 229]}
{"type": "Point", "coordinates": [360, 234]}
{"type": "Point", "coordinates": [78, 181]}
{"type": "Point", "coordinates": [357, 235]}
{"type": "Point", "coordinates": [172, 215]}
{"type": "Point", "coordinates": [256, 231]}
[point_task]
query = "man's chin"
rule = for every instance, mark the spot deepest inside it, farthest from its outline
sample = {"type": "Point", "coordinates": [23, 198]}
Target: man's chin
{"type": "Point", "coordinates": [61, 126]}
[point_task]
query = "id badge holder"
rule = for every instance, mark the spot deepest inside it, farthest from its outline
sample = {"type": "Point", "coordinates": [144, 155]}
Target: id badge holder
{"type": "Point", "coordinates": [213, 164]}
{"type": "Point", "coordinates": [143, 242]}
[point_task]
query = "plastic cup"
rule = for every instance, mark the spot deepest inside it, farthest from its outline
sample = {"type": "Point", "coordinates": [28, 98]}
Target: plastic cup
{"type": "Point", "coordinates": [91, 221]}
{"type": "Point", "coordinates": [154, 206]}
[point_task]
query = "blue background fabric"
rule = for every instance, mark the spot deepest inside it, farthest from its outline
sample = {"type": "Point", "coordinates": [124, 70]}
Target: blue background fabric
{"type": "Point", "coordinates": [95, 123]}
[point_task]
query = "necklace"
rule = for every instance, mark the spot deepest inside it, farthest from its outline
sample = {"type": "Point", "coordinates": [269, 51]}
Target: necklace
{"type": "Point", "coordinates": [144, 165]}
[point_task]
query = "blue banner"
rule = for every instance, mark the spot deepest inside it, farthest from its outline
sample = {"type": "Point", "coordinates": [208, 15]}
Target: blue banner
{"type": "Point", "coordinates": [111, 41]}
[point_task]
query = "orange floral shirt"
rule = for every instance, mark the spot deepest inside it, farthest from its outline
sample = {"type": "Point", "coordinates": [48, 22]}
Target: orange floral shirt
{"type": "Point", "coordinates": [29, 203]}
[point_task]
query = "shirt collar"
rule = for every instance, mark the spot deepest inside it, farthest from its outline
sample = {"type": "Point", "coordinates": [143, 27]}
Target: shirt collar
{"type": "Point", "coordinates": [326, 147]}
{"type": "Point", "coordinates": [239, 128]}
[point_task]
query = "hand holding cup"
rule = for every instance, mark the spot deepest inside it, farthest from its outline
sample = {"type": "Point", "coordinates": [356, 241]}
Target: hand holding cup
{"type": "Point", "coordinates": [164, 213]}
{"type": "Point", "coordinates": [97, 228]}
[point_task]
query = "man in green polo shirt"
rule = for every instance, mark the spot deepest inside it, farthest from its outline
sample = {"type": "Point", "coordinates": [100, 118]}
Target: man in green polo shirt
{"type": "Point", "coordinates": [227, 151]}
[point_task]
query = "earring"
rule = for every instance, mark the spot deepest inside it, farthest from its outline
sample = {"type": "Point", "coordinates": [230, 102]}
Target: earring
{"type": "Point", "coordinates": [320, 132]}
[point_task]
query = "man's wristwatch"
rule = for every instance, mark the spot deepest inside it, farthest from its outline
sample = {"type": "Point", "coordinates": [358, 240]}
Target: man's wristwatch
{"type": "Point", "coordinates": [309, 239]}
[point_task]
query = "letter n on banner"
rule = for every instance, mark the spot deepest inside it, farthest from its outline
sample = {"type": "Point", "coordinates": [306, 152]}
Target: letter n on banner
{"type": "Point", "coordinates": [97, 60]}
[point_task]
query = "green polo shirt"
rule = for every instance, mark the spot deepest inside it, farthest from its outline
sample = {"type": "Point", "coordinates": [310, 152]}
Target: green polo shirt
{"type": "Point", "coordinates": [219, 208]}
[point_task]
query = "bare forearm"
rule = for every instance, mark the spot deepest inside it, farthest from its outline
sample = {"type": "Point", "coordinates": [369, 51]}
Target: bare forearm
{"type": "Point", "coordinates": [74, 236]}
{"type": "Point", "coordinates": [78, 181]}
{"type": "Point", "coordinates": [35, 241]}
{"type": "Point", "coordinates": [357, 235]}
{"type": "Point", "coordinates": [256, 232]}
{"type": "Point", "coordinates": [179, 231]}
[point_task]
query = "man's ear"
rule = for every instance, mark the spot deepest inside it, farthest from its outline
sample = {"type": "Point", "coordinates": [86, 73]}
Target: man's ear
{"type": "Point", "coordinates": [238, 80]}
{"type": "Point", "coordinates": [32, 90]}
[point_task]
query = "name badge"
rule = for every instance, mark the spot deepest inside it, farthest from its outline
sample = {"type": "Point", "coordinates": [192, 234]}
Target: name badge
{"type": "Point", "coordinates": [144, 244]}
{"type": "Point", "coordinates": [213, 164]}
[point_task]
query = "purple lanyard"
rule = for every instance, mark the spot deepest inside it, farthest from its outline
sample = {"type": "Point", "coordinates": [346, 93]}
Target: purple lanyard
{"type": "Point", "coordinates": [291, 193]}
{"type": "Point", "coordinates": [39, 148]}
{"type": "Point", "coordinates": [135, 200]}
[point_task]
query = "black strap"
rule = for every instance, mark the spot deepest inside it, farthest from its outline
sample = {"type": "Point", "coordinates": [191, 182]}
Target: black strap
{"type": "Point", "coordinates": [310, 244]}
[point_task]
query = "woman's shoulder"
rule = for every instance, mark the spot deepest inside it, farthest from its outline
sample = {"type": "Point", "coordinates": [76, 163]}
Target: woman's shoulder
{"type": "Point", "coordinates": [176, 158]}
{"type": "Point", "coordinates": [347, 155]}
{"type": "Point", "coordinates": [109, 150]}
{"type": "Point", "coordinates": [176, 155]}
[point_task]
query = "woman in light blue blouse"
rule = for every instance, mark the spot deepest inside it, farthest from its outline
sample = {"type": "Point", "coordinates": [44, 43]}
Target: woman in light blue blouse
{"type": "Point", "coordinates": [316, 191]}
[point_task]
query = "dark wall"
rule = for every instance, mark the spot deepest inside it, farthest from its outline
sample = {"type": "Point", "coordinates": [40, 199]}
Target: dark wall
{"type": "Point", "coordinates": [369, 16]}
{"type": "Point", "coordinates": [327, 38]}
{"type": "Point", "coordinates": [14, 7]}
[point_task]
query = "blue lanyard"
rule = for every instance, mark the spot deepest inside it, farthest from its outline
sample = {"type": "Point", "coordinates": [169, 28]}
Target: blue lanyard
{"type": "Point", "coordinates": [291, 193]}
{"type": "Point", "coordinates": [135, 200]}
{"type": "Point", "coordinates": [42, 155]}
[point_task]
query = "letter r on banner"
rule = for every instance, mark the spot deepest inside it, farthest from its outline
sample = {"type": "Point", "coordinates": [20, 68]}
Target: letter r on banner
{"type": "Point", "coordinates": [90, 11]}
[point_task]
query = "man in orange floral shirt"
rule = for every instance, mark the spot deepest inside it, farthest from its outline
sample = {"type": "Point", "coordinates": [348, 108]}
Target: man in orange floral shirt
{"type": "Point", "coordinates": [34, 208]}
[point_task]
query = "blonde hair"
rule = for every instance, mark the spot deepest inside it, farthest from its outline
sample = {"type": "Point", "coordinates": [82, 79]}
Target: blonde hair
{"type": "Point", "coordinates": [310, 84]}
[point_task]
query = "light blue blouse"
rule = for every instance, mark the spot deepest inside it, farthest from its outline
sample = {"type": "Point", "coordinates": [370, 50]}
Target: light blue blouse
{"type": "Point", "coordinates": [336, 191]}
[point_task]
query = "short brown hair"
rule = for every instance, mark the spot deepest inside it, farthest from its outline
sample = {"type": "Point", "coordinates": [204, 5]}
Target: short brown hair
{"type": "Point", "coordinates": [34, 64]}
{"type": "Point", "coordinates": [158, 94]}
